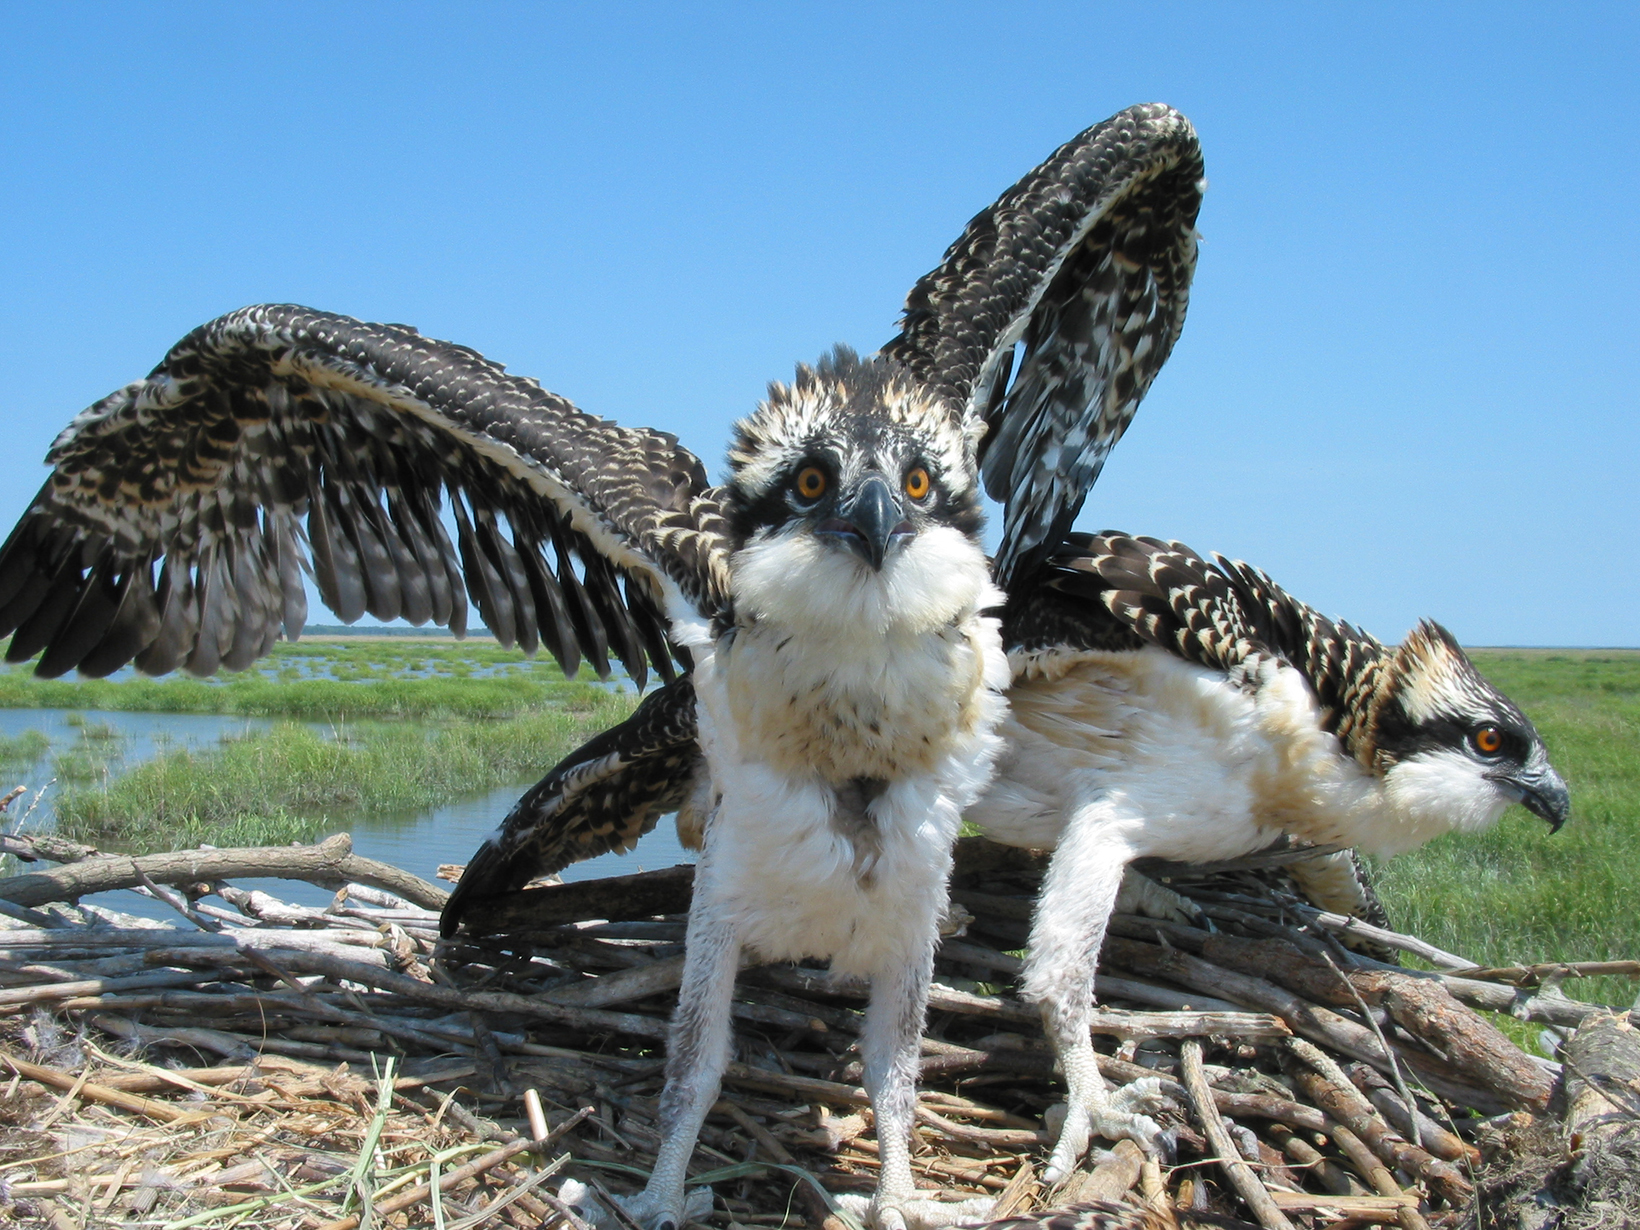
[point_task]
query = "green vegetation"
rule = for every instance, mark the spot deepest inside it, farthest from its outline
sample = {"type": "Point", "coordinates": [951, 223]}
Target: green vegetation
{"type": "Point", "coordinates": [1516, 894]}
{"type": "Point", "coordinates": [24, 750]}
{"type": "Point", "coordinates": [291, 783]}
{"type": "Point", "coordinates": [332, 680]}
{"type": "Point", "coordinates": [463, 718]}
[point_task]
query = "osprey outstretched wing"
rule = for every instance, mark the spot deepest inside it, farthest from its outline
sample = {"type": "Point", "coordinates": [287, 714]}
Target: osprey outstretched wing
{"type": "Point", "coordinates": [602, 797]}
{"type": "Point", "coordinates": [278, 440]}
{"type": "Point", "coordinates": [1086, 263]}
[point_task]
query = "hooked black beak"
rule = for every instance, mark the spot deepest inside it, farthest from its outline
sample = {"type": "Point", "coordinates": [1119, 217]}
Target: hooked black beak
{"type": "Point", "coordinates": [1545, 795]}
{"type": "Point", "coordinates": [872, 523]}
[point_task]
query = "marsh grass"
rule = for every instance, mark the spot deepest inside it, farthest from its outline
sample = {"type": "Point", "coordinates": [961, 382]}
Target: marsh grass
{"type": "Point", "coordinates": [332, 681]}
{"type": "Point", "coordinates": [290, 782]}
{"type": "Point", "coordinates": [26, 749]}
{"type": "Point", "coordinates": [1517, 894]}
{"type": "Point", "coordinates": [411, 725]}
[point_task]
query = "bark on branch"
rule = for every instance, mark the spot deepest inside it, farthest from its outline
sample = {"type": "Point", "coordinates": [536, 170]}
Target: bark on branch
{"type": "Point", "coordinates": [330, 864]}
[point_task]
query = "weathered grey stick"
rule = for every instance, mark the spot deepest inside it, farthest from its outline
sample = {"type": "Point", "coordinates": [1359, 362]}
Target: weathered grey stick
{"type": "Point", "coordinates": [1306, 1018]}
{"type": "Point", "coordinates": [1532, 975]}
{"type": "Point", "coordinates": [998, 1138]}
{"type": "Point", "coordinates": [622, 986]}
{"type": "Point", "coordinates": [41, 992]}
{"type": "Point", "coordinates": [1359, 1208]}
{"type": "Point", "coordinates": [330, 864]}
{"type": "Point", "coordinates": [1343, 924]}
{"type": "Point", "coordinates": [1242, 1178]}
{"type": "Point", "coordinates": [590, 1019]}
{"type": "Point", "coordinates": [33, 917]}
{"type": "Point", "coordinates": [1108, 987]}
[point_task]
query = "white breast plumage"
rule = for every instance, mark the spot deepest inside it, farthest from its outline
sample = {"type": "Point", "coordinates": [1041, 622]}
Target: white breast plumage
{"type": "Point", "coordinates": [1204, 768]}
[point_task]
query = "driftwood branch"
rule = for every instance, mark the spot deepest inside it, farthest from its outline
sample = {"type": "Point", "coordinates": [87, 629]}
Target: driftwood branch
{"type": "Point", "coordinates": [330, 864]}
{"type": "Point", "coordinates": [1555, 971]}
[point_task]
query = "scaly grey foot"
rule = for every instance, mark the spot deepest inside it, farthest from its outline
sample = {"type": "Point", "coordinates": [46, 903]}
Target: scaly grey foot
{"type": "Point", "coordinates": [1125, 1115]}
{"type": "Point", "coordinates": [646, 1208]}
{"type": "Point", "coordinates": [910, 1212]}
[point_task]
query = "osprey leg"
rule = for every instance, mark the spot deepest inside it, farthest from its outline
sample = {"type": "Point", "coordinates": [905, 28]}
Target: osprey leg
{"type": "Point", "coordinates": [889, 1049]}
{"type": "Point", "coordinates": [1067, 931]}
{"type": "Point", "coordinates": [697, 1051]}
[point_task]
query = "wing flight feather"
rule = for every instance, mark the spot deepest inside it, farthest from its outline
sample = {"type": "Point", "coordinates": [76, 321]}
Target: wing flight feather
{"type": "Point", "coordinates": [280, 441]}
{"type": "Point", "coordinates": [1085, 265]}
{"type": "Point", "coordinates": [602, 797]}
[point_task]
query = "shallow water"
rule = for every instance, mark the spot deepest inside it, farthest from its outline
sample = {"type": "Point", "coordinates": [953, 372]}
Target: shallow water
{"type": "Point", "coordinates": [418, 842]}
{"type": "Point", "coordinates": [422, 842]}
{"type": "Point", "coordinates": [124, 739]}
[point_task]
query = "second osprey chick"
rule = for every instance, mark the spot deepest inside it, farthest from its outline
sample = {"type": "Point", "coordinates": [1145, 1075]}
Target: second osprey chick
{"type": "Point", "coordinates": [1165, 706]}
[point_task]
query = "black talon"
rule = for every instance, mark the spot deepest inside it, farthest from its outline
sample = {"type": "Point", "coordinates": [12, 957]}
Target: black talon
{"type": "Point", "coordinates": [1167, 1144]}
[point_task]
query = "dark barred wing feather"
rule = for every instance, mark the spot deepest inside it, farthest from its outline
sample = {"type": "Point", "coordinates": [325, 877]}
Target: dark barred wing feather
{"type": "Point", "coordinates": [602, 797]}
{"type": "Point", "coordinates": [184, 510]}
{"type": "Point", "coordinates": [1223, 614]}
{"type": "Point", "coordinates": [1086, 262]}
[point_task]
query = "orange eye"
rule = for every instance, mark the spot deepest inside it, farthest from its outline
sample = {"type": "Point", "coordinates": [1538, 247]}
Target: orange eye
{"type": "Point", "coordinates": [1488, 740]}
{"type": "Point", "coordinates": [811, 482]}
{"type": "Point", "coordinates": [917, 483]}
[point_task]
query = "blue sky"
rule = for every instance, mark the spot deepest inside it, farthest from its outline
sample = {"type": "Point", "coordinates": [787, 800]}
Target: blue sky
{"type": "Point", "coordinates": [1407, 385]}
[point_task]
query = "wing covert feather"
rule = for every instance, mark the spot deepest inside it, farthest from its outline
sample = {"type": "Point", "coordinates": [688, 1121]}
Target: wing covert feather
{"type": "Point", "coordinates": [602, 797]}
{"type": "Point", "coordinates": [1221, 613]}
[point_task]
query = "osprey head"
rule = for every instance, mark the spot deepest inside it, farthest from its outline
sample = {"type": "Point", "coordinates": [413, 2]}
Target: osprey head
{"type": "Point", "coordinates": [1453, 751]}
{"type": "Point", "coordinates": [853, 481]}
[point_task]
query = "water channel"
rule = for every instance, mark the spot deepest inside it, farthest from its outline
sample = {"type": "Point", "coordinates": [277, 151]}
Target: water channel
{"type": "Point", "coordinates": [419, 842]}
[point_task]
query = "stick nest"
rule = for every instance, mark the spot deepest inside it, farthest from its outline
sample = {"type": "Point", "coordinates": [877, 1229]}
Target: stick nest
{"type": "Point", "coordinates": [262, 1064]}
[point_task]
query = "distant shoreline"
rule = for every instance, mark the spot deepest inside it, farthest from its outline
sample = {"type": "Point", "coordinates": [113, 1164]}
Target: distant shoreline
{"type": "Point", "coordinates": [343, 632]}
{"type": "Point", "coordinates": [1551, 649]}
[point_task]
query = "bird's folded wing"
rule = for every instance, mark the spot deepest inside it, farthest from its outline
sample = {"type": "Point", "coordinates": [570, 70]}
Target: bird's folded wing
{"type": "Point", "coordinates": [1221, 614]}
{"type": "Point", "coordinates": [1087, 261]}
{"type": "Point", "coordinates": [602, 797]}
{"type": "Point", "coordinates": [278, 440]}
